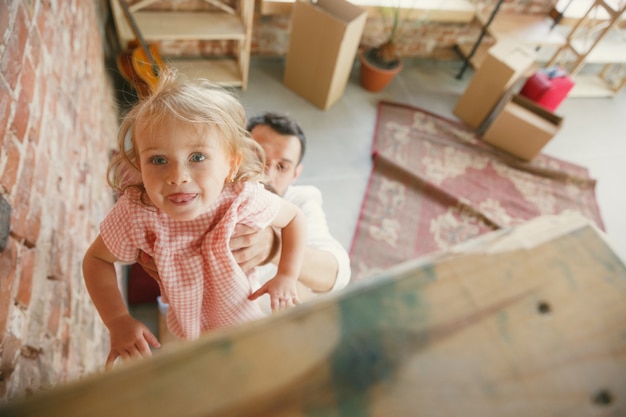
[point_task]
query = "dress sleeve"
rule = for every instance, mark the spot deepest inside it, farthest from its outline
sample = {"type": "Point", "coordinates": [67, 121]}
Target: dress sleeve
{"type": "Point", "coordinates": [259, 206]}
{"type": "Point", "coordinates": [116, 231]}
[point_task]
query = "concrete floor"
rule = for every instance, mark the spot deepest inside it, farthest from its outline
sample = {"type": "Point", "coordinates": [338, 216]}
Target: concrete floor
{"type": "Point", "coordinates": [339, 139]}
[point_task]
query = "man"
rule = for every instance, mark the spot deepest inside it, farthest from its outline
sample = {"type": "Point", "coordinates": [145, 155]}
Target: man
{"type": "Point", "coordinates": [326, 263]}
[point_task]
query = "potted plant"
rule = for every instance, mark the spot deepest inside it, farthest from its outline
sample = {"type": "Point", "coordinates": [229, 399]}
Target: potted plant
{"type": "Point", "coordinates": [380, 64]}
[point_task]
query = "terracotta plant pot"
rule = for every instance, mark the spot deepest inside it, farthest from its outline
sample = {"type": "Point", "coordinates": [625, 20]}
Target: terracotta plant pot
{"type": "Point", "coordinates": [374, 78]}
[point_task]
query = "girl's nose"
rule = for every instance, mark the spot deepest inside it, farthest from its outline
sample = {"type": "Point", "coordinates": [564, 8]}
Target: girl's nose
{"type": "Point", "coordinates": [177, 175]}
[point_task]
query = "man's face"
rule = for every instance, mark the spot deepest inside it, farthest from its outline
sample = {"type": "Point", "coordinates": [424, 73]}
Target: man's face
{"type": "Point", "coordinates": [282, 153]}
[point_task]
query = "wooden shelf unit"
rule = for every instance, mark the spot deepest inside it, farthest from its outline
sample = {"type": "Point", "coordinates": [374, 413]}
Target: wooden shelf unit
{"type": "Point", "coordinates": [527, 29]}
{"type": "Point", "coordinates": [596, 41]}
{"type": "Point", "coordinates": [596, 37]}
{"type": "Point", "coordinates": [577, 9]}
{"type": "Point", "coordinates": [223, 23]}
{"type": "Point", "coordinates": [432, 10]}
{"type": "Point", "coordinates": [533, 30]}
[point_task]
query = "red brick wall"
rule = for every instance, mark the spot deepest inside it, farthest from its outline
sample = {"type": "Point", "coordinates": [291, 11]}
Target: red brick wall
{"type": "Point", "coordinates": [58, 121]}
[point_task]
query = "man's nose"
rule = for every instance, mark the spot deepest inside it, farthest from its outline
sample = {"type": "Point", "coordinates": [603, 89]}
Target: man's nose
{"type": "Point", "coordinates": [270, 171]}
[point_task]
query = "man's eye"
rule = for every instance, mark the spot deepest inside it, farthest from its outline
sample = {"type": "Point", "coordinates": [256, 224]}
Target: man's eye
{"type": "Point", "coordinates": [282, 167]}
{"type": "Point", "coordinates": [157, 160]}
{"type": "Point", "coordinates": [197, 157]}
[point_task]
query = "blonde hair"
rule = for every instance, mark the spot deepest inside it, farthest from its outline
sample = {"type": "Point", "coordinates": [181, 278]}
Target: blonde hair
{"type": "Point", "coordinates": [195, 102]}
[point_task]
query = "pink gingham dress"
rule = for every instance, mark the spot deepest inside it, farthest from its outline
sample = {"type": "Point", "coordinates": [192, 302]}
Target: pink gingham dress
{"type": "Point", "coordinates": [199, 278]}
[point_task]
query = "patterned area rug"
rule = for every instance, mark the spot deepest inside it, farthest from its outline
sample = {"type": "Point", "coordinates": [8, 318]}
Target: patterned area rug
{"type": "Point", "coordinates": [435, 184]}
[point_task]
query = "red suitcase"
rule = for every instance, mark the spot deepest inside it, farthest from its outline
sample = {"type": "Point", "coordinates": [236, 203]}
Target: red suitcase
{"type": "Point", "coordinates": [548, 87]}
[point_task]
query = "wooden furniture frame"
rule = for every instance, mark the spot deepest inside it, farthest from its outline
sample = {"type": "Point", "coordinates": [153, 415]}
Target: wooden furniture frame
{"type": "Point", "coordinates": [434, 10]}
{"type": "Point", "coordinates": [596, 38]}
{"type": "Point", "coordinates": [223, 23]}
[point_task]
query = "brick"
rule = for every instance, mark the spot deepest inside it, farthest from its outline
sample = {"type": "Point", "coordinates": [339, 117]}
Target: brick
{"type": "Point", "coordinates": [66, 348]}
{"type": "Point", "coordinates": [25, 284]}
{"type": "Point", "coordinates": [42, 170]}
{"type": "Point", "coordinates": [35, 51]}
{"type": "Point", "coordinates": [14, 156]}
{"type": "Point", "coordinates": [6, 101]}
{"type": "Point", "coordinates": [21, 204]}
{"type": "Point", "coordinates": [11, 63]}
{"type": "Point", "coordinates": [4, 18]}
{"type": "Point", "coordinates": [30, 370]}
{"type": "Point", "coordinates": [47, 24]}
{"type": "Point", "coordinates": [34, 219]}
{"type": "Point", "coordinates": [34, 130]}
{"type": "Point", "coordinates": [10, 348]}
{"type": "Point", "coordinates": [58, 248]}
{"type": "Point", "coordinates": [56, 302]}
{"type": "Point", "coordinates": [22, 110]}
{"type": "Point", "coordinates": [8, 265]}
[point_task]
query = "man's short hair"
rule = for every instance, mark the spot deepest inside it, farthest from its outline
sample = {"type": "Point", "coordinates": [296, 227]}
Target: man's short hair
{"type": "Point", "coordinates": [281, 124]}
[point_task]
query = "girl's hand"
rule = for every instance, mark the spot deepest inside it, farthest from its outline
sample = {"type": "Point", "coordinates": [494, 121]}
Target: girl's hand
{"type": "Point", "coordinates": [130, 339]}
{"type": "Point", "coordinates": [282, 291]}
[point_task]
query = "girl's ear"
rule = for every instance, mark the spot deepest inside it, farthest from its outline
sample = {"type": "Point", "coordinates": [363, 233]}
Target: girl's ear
{"type": "Point", "coordinates": [235, 162]}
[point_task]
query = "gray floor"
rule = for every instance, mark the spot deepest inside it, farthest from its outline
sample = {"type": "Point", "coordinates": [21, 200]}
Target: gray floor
{"type": "Point", "coordinates": [338, 157]}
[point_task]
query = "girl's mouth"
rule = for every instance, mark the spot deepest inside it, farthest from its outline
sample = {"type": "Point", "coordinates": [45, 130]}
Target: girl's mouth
{"type": "Point", "coordinates": [181, 198]}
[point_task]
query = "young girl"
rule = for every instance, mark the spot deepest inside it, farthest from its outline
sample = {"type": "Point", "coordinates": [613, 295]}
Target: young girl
{"type": "Point", "coordinates": [187, 173]}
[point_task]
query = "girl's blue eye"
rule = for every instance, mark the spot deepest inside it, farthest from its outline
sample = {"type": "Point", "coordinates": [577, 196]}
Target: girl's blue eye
{"type": "Point", "coordinates": [197, 157]}
{"type": "Point", "coordinates": [158, 160]}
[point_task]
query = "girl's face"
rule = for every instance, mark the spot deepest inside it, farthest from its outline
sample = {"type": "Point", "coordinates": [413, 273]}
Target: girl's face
{"type": "Point", "coordinates": [184, 169]}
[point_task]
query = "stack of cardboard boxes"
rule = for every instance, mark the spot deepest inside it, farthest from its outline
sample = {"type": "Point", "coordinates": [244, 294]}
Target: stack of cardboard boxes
{"type": "Point", "coordinates": [505, 119]}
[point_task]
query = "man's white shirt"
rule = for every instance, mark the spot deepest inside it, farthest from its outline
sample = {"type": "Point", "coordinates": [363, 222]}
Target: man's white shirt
{"type": "Point", "coordinates": [309, 199]}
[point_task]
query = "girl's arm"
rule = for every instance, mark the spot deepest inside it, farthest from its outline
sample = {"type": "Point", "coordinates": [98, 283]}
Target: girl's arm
{"type": "Point", "coordinates": [282, 288]}
{"type": "Point", "coordinates": [129, 337]}
{"type": "Point", "coordinates": [292, 222]}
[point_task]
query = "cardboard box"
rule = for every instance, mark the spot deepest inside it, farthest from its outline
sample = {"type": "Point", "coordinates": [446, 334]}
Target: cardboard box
{"type": "Point", "coordinates": [522, 127]}
{"type": "Point", "coordinates": [504, 64]}
{"type": "Point", "coordinates": [323, 44]}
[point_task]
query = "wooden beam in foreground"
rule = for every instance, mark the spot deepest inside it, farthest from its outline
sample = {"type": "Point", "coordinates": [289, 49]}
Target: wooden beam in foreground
{"type": "Point", "coordinates": [529, 321]}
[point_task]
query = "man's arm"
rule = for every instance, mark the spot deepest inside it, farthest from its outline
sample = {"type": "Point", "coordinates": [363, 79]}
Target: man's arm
{"type": "Point", "coordinates": [252, 248]}
{"type": "Point", "coordinates": [326, 264]}
{"type": "Point", "coordinates": [319, 270]}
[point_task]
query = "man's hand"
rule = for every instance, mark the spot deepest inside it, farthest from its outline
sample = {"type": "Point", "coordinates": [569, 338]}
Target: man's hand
{"type": "Point", "coordinates": [252, 248]}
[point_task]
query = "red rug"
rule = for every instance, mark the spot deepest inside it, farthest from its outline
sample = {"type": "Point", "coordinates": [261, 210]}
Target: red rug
{"type": "Point", "coordinates": [435, 184]}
